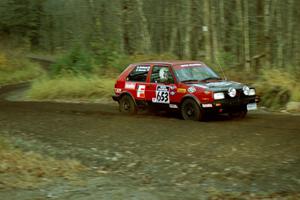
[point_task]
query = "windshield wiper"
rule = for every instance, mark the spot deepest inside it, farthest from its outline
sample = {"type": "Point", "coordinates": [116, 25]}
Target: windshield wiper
{"type": "Point", "coordinates": [189, 80]}
{"type": "Point", "coordinates": [211, 78]}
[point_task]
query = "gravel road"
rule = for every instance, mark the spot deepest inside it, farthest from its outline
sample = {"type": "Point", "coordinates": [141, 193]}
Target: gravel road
{"type": "Point", "coordinates": [158, 156]}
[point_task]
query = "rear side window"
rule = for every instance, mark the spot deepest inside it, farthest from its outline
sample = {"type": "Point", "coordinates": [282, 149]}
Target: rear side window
{"type": "Point", "coordinates": [139, 73]}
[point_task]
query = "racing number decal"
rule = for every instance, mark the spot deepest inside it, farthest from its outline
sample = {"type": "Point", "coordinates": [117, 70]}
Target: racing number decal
{"type": "Point", "coordinates": [162, 97]}
{"type": "Point", "coordinates": [162, 94]}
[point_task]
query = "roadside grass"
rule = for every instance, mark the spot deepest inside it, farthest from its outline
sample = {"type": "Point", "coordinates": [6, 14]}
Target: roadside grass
{"type": "Point", "coordinates": [15, 69]}
{"type": "Point", "coordinates": [73, 77]}
{"type": "Point", "coordinates": [277, 88]}
{"type": "Point", "coordinates": [218, 195]}
{"type": "Point", "coordinates": [27, 73]}
{"type": "Point", "coordinates": [19, 169]}
{"type": "Point", "coordinates": [70, 87]}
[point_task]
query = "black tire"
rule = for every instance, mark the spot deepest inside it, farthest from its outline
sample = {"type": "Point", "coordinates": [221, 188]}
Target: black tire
{"type": "Point", "coordinates": [190, 110]}
{"type": "Point", "coordinates": [241, 114]}
{"type": "Point", "coordinates": [127, 105]}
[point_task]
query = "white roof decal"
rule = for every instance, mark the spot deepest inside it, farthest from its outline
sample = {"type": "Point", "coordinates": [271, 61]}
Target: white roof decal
{"type": "Point", "coordinates": [190, 65]}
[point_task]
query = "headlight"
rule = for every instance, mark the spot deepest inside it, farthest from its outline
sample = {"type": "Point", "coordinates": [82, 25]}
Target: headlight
{"type": "Point", "coordinates": [219, 95]}
{"type": "Point", "coordinates": [246, 90]}
{"type": "Point", "coordinates": [252, 92]}
{"type": "Point", "coordinates": [231, 92]}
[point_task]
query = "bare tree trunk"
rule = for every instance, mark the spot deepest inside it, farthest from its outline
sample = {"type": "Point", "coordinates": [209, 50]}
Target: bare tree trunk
{"type": "Point", "coordinates": [246, 36]}
{"type": "Point", "coordinates": [289, 53]}
{"type": "Point", "coordinates": [207, 30]}
{"type": "Point", "coordinates": [145, 45]}
{"type": "Point", "coordinates": [173, 30]}
{"type": "Point", "coordinates": [240, 44]}
{"type": "Point", "coordinates": [279, 38]}
{"type": "Point", "coordinates": [259, 47]}
{"type": "Point", "coordinates": [270, 10]}
{"type": "Point", "coordinates": [187, 35]}
{"type": "Point", "coordinates": [214, 24]}
{"type": "Point", "coordinates": [267, 24]}
{"type": "Point", "coordinates": [222, 25]}
{"type": "Point", "coordinates": [297, 40]}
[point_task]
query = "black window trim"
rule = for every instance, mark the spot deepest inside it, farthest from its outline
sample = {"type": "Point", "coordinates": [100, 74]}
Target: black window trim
{"type": "Point", "coordinates": [134, 68]}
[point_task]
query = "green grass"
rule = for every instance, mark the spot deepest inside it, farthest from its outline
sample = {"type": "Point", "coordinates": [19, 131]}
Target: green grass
{"type": "Point", "coordinates": [71, 78]}
{"type": "Point", "coordinates": [16, 69]}
{"type": "Point", "coordinates": [26, 73]}
{"type": "Point", "coordinates": [275, 87]}
{"type": "Point", "coordinates": [71, 87]}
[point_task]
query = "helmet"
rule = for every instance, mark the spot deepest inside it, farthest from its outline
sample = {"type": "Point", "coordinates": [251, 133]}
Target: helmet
{"type": "Point", "coordinates": [163, 73]}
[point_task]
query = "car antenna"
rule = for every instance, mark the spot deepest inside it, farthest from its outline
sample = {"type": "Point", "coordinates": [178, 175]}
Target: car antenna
{"type": "Point", "coordinates": [220, 67]}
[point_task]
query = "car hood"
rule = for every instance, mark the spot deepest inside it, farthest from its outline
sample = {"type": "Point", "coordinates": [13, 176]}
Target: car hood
{"type": "Point", "coordinates": [219, 85]}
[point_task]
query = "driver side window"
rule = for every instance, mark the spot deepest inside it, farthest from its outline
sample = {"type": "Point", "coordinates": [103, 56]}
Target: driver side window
{"type": "Point", "coordinates": [161, 74]}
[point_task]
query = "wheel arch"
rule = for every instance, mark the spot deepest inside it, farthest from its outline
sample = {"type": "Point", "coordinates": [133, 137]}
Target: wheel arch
{"type": "Point", "coordinates": [128, 94]}
{"type": "Point", "coordinates": [189, 96]}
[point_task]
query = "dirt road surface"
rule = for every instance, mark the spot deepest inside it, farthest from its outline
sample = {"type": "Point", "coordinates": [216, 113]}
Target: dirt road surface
{"type": "Point", "coordinates": [158, 156]}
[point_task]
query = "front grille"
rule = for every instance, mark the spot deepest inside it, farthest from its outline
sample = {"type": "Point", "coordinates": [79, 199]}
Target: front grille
{"type": "Point", "coordinates": [237, 100]}
{"type": "Point", "coordinates": [232, 101]}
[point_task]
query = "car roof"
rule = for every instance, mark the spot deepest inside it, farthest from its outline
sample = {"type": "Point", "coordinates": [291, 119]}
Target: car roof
{"type": "Point", "coordinates": [169, 62]}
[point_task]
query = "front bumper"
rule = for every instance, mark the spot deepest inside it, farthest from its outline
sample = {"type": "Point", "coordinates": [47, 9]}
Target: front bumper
{"type": "Point", "coordinates": [229, 105]}
{"type": "Point", "coordinates": [116, 97]}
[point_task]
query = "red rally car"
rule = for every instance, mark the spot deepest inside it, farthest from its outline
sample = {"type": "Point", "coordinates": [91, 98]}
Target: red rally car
{"type": "Point", "coordinates": [188, 86]}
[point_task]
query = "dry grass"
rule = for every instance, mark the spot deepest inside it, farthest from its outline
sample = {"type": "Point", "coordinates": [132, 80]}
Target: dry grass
{"type": "Point", "coordinates": [278, 87]}
{"type": "Point", "coordinates": [252, 196]}
{"type": "Point", "coordinates": [20, 169]}
{"type": "Point", "coordinates": [71, 87]}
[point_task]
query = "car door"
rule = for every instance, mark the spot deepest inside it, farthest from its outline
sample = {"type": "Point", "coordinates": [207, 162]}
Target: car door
{"type": "Point", "coordinates": [161, 87]}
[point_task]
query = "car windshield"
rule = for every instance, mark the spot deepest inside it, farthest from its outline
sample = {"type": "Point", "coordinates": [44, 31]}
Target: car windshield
{"type": "Point", "coordinates": [195, 73]}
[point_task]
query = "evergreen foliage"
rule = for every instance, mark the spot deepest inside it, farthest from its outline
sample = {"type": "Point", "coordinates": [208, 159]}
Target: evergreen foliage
{"type": "Point", "coordinates": [254, 34]}
{"type": "Point", "coordinates": [77, 61]}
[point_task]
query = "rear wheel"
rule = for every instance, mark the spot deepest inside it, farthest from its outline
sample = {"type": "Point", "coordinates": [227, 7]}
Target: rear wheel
{"type": "Point", "coordinates": [190, 110]}
{"type": "Point", "coordinates": [127, 105]}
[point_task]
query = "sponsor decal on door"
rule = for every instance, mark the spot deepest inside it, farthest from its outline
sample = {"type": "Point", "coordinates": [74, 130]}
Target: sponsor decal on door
{"type": "Point", "coordinates": [141, 91]}
{"type": "Point", "coordinates": [130, 85]}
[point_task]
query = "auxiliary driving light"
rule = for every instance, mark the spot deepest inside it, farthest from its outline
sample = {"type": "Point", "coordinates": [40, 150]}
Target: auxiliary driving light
{"type": "Point", "coordinates": [246, 90]}
{"type": "Point", "coordinates": [231, 92]}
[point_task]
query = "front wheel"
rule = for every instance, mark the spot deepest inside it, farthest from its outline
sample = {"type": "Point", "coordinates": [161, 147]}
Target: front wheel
{"type": "Point", "coordinates": [127, 105]}
{"type": "Point", "coordinates": [190, 110]}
